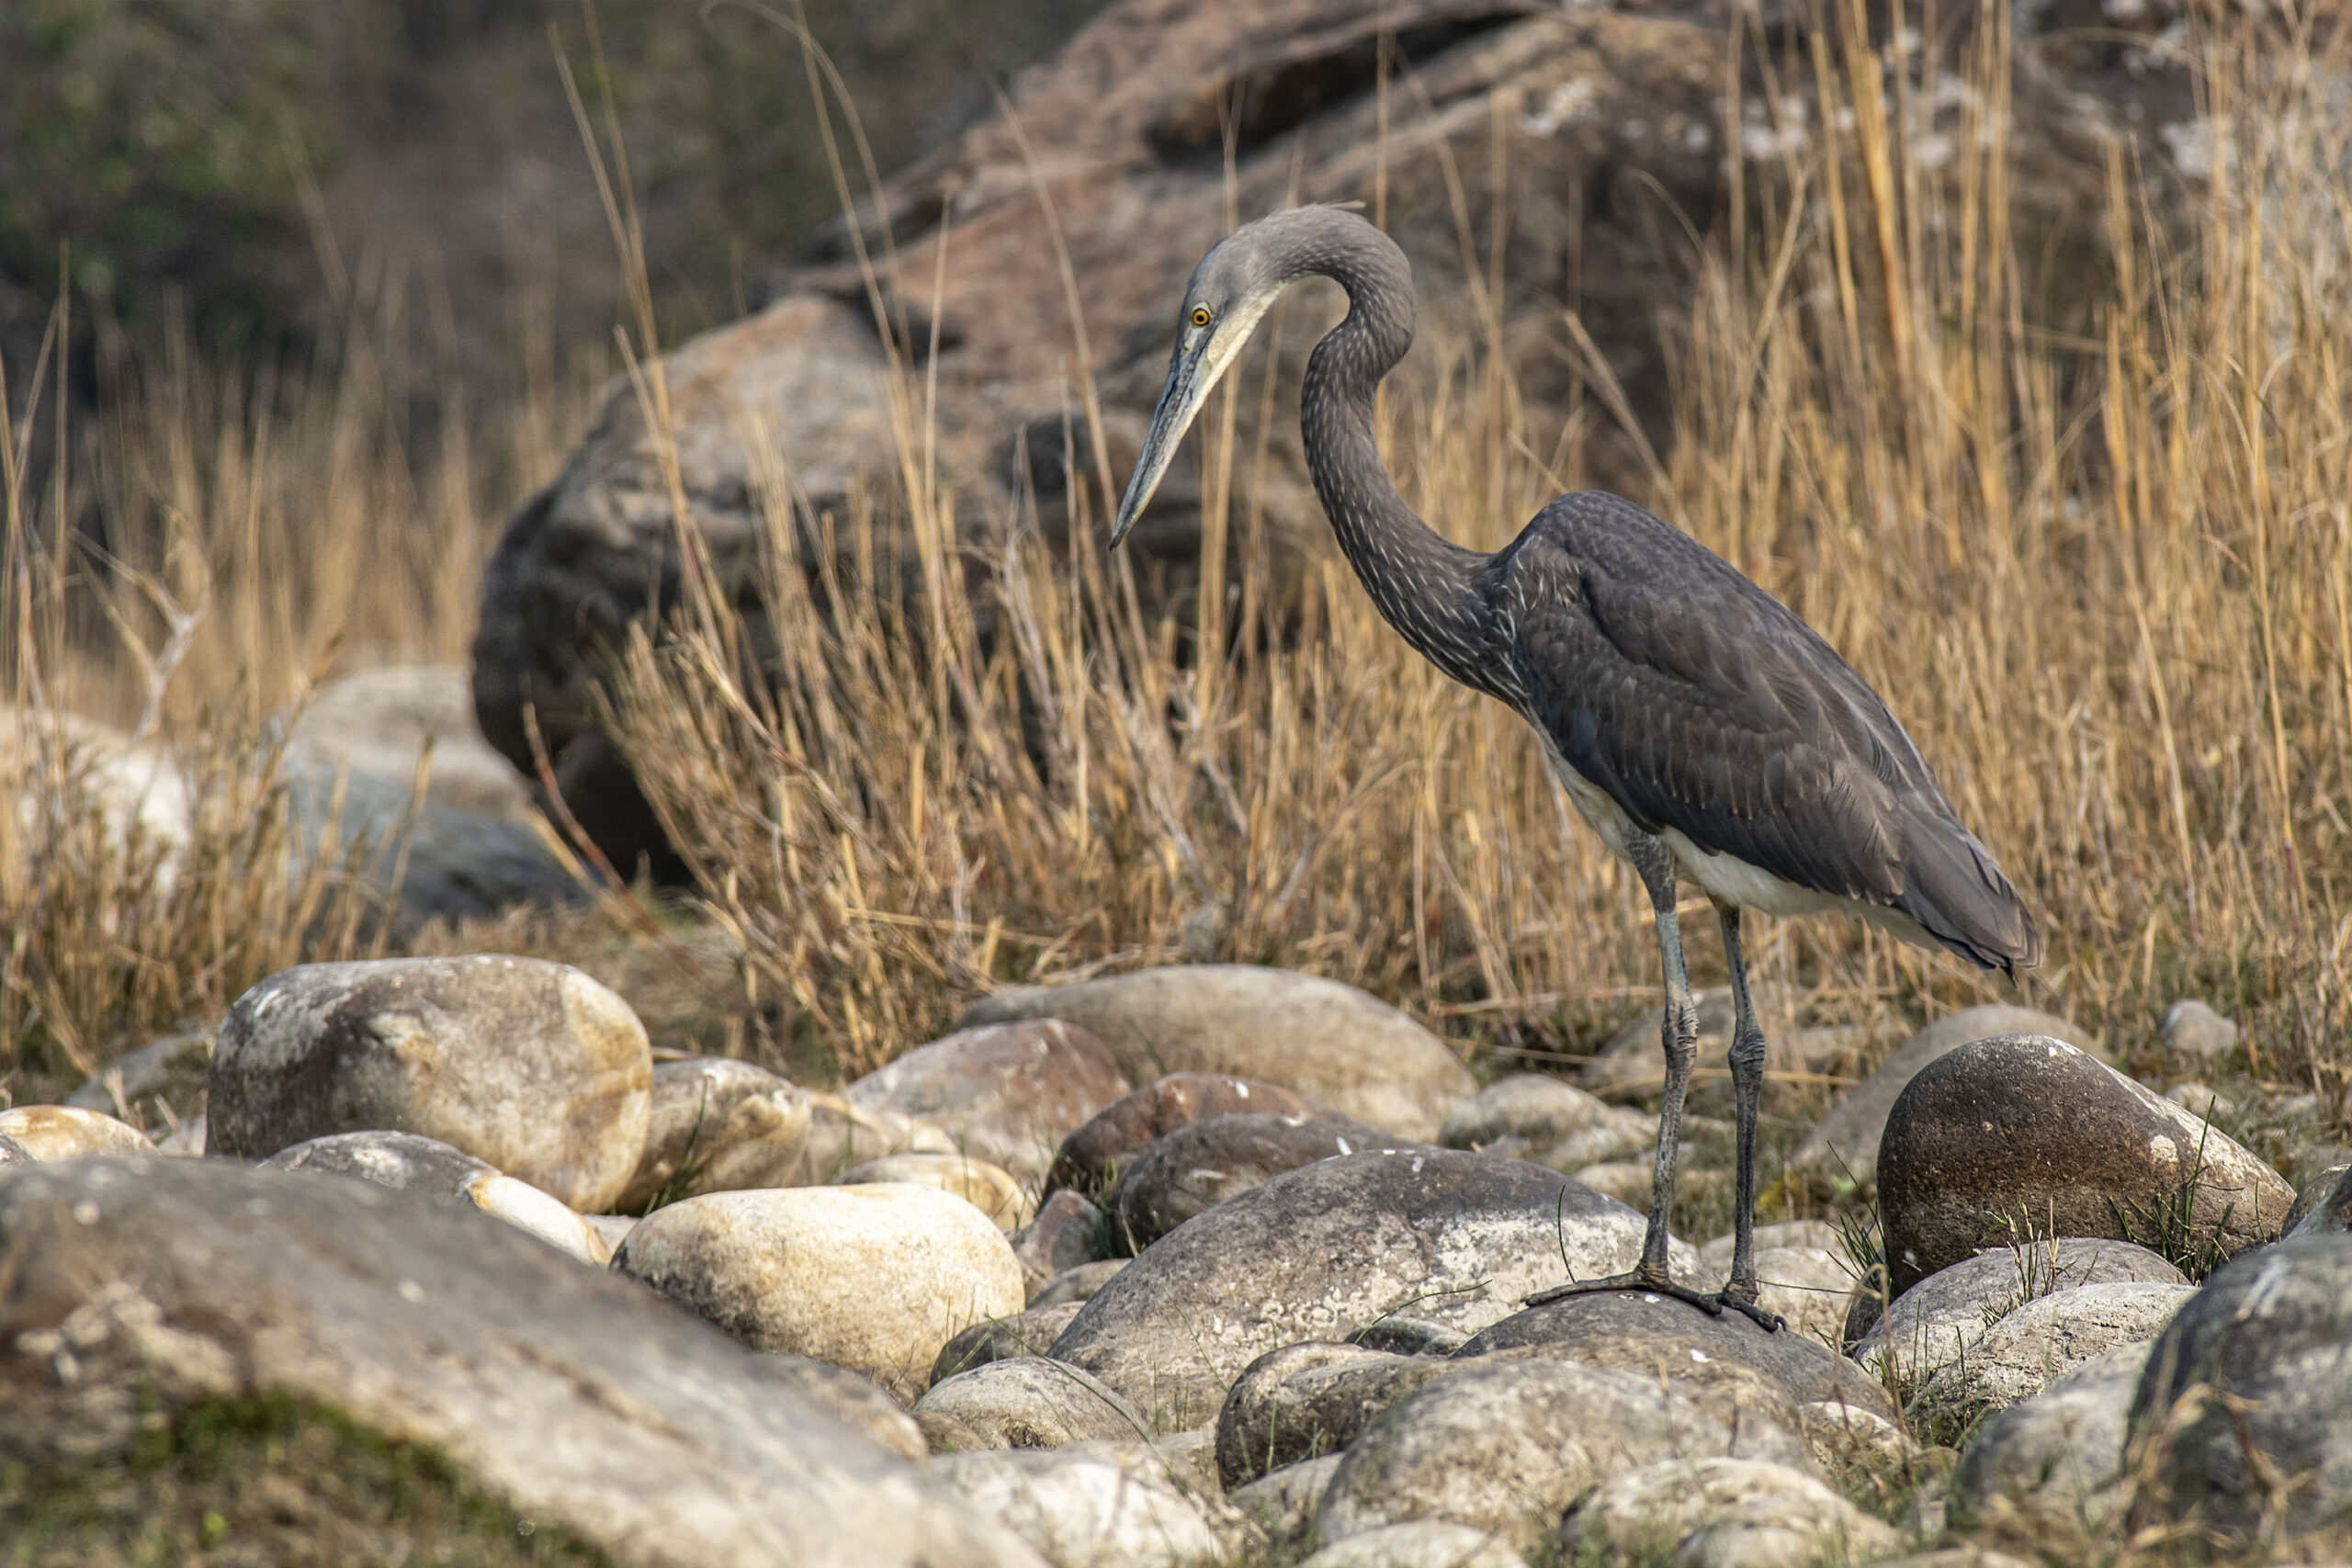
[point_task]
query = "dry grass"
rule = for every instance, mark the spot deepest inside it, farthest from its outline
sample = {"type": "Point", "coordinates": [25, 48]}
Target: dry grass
{"type": "Point", "coordinates": [2101, 574]}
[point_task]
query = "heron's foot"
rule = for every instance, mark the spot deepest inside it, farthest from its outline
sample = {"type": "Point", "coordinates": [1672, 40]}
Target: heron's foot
{"type": "Point", "coordinates": [1769, 1322]}
{"type": "Point", "coordinates": [1637, 1279]}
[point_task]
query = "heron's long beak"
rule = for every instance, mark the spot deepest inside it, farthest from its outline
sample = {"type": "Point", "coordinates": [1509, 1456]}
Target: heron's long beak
{"type": "Point", "coordinates": [1191, 372]}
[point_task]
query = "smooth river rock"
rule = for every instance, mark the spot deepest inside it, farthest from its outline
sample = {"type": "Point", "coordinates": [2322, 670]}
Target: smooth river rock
{"type": "Point", "coordinates": [2046, 1472]}
{"type": "Point", "coordinates": [1084, 1509]}
{"type": "Point", "coordinates": [528, 1065]}
{"type": "Point", "coordinates": [1006, 1093]}
{"type": "Point", "coordinates": [51, 1133]}
{"type": "Point", "coordinates": [1505, 1448]}
{"type": "Point", "coordinates": [2016, 1357]}
{"type": "Point", "coordinates": [1067, 1233]}
{"type": "Point", "coordinates": [876, 1278]}
{"type": "Point", "coordinates": [1304, 1401]}
{"type": "Point", "coordinates": [1709, 1511]}
{"type": "Point", "coordinates": [1030, 1333]}
{"type": "Point", "coordinates": [1419, 1544]}
{"type": "Point", "coordinates": [1847, 1140]}
{"type": "Point", "coordinates": [1319, 1252]}
{"type": "Point", "coordinates": [1194, 1168]}
{"type": "Point", "coordinates": [990, 1189]}
{"type": "Point", "coordinates": [1934, 1320]}
{"type": "Point", "coordinates": [1023, 1402]}
{"type": "Point", "coordinates": [2249, 1387]}
{"type": "Point", "coordinates": [719, 1126]}
{"type": "Point", "coordinates": [1353, 1052]}
{"type": "Point", "coordinates": [2324, 1204]}
{"type": "Point", "coordinates": [406, 1162]}
{"type": "Point", "coordinates": [1092, 1156]}
{"type": "Point", "coordinates": [2025, 1135]}
{"type": "Point", "coordinates": [567, 1392]}
{"type": "Point", "coordinates": [1663, 1337]}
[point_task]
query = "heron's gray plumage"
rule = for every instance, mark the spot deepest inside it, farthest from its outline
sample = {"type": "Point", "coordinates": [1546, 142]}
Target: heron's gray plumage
{"type": "Point", "coordinates": [1704, 730]}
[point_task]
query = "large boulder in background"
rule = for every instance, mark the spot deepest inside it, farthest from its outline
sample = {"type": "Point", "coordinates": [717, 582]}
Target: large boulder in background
{"type": "Point", "coordinates": [1596, 129]}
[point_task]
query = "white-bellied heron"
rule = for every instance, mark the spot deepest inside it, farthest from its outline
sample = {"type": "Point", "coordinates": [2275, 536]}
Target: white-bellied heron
{"type": "Point", "coordinates": [1705, 732]}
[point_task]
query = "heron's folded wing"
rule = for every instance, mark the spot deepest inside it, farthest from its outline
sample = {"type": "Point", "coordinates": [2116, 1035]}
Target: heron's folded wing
{"type": "Point", "coordinates": [1698, 703]}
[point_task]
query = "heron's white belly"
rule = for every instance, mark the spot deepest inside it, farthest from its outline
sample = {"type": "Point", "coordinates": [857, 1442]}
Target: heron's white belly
{"type": "Point", "coordinates": [1728, 878]}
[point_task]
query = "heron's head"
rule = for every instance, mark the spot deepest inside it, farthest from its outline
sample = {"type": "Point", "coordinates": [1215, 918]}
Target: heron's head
{"type": "Point", "coordinates": [1230, 291]}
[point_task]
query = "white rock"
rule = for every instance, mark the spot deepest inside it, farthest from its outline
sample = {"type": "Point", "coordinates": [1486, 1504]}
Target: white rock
{"type": "Point", "coordinates": [876, 1278]}
{"type": "Point", "coordinates": [990, 1189]}
{"type": "Point", "coordinates": [49, 1132]}
{"type": "Point", "coordinates": [525, 1207]}
{"type": "Point", "coordinates": [1081, 1510]}
{"type": "Point", "coordinates": [1716, 1255]}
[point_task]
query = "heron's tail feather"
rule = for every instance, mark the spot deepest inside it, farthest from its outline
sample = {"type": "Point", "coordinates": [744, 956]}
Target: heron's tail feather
{"type": "Point", "coordinates": [1956, 893]}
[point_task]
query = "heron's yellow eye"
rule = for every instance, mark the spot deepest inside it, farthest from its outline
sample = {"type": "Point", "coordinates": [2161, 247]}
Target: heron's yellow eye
{"type": "Point", "coordinates": [1200, 315]}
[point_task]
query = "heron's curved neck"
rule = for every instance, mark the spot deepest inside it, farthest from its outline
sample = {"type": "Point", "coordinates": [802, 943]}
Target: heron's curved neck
{"type": "Point", "coordinates": [1424, 585]}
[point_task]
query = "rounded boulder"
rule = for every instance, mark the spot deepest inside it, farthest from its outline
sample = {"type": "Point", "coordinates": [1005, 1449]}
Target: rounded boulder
{"type": "Point", "coordinates": [2027, 1135]}
{"type": "Point", "coordinates": [1348, 1049]}
{"type": "Point", "coordinates": [1007, 1093]}
{"type": "Point", "coordinates": [49, 1132]}
{"type": "Point", "coordinates": [530, 1066]}
{"type": "Point", "coordinates": [876, 1278]}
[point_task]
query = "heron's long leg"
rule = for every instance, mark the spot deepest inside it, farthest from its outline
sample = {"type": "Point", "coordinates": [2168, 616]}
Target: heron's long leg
{"type": "Point", "coordinates": [1679, 1037]}
{"type": "Point", "coordinates": [1747, 1089]}
{"type": "Point", "coordinates": [1678, 1033]}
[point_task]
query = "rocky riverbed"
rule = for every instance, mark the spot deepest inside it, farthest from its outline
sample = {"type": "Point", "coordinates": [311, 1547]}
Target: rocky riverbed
{"type": "Point", "coordinates": [1209, 1264]}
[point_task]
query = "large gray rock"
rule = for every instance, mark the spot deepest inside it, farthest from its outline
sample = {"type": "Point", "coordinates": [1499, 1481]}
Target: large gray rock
{"type": "Point", "coordinates": [2246, 1407]}
{"type": "Point", "coordinates": [2015, 1358]}
{"type": "Point", "coordinates": [1663, 1337]}
{"type": "Point", "coordinates": [1092, 1156]}
{"type": "Point", "coordinates": [1007, 1093]}
{"type": "Point", "coordinates": [1194, 1168]}
{"type": "Point", "coordinates": [2047, 1471]}
{"type": "Point", "coordinates": [2026, 1135]}
{"type": "Point", "coordinates": [1722, 1510]}
{"type": "Point", "coordinates": [1023, 1402]}
{"type": "Point", "coordinates": [876, 1278]}
{"type": "Point", "coordinates": [1847, 1140]}
{"type": "Point", "coordinates": [407, 1163]}
{"type": "Point", "coordinates": [1084, 1509]}
{"type": "Point", "coordinates": [528, 1065]}
{"type": "Point", "coordinates": [1318, 1252]}
{"type": "Point", "coordinates": [1931, 1323]}
{"type": "Point", "coordinates": [1353, 1053]}
{"type": "Point", "coordinates": [570, 1394]}
{"type": "Point", "coordinates": [1507, 1447]}
{"type": "Point", "coordinates": [719, 1125]}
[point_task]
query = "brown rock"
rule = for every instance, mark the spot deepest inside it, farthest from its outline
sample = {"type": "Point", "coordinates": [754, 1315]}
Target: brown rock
{"type": "Point", "coordinates": [1090, 1157]}
{"type": "Point", "coordinates": [1007, 1093]}
{"type": "Point", "coordinates": [1847, 1140]}
{"type": "Point", "coordinates": [1063, 1236]}
{"type": "Point", "coordinates": [2023, 1134]}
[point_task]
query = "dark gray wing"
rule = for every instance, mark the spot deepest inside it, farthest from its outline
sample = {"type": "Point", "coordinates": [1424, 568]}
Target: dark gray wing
{"type": "Point", "coordinates": [1697, 701]}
